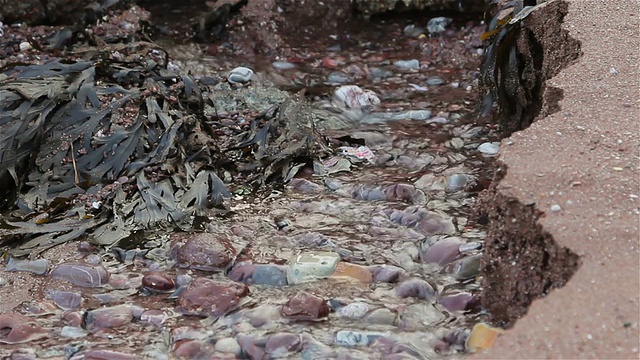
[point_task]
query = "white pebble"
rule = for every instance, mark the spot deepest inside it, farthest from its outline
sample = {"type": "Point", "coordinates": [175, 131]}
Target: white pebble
{"type": "Point", "coordinates": [240, 75]}
{"type": "Point", "coordinates": [555, 208]}
{"type": "Point", "coordinates": [24, 46]}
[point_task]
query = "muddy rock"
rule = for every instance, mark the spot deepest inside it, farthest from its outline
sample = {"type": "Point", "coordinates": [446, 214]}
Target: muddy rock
{"type": "Point", "coordinates": [203, 251]}
{"type": "Point", "coordinates": [205, 297]}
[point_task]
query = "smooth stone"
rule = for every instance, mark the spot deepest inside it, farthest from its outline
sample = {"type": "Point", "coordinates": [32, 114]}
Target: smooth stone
{"type": "Point", "coordinates": [413, 64]}
{"type": "Point", "coordinates": [311, 266]}
{"type": "Point", "coordinates": [380, 317]}
{"type": "Point", "coordinates": [443, 251]}
{"type": "Point", "coordinates": [438, 25]}
{"type": "Point", "coordinates": [269, 275]}
{"type": "Point", "coordinates": [228, 345]}
{"type": "Point", "coordinates": [456, 182]}
{"type": "Point", "coordinates": [73, 332]}
{"type": "Point", "coordinates": [112, 317]}
{"type": "Point", "coordinates": [416, 288]}
{"type": "Point", "coordinates": [355, 310]}
{"type": "Point", "coordinates": [282, 344]}
{"type": "Point", "coordinates": [38, 267]}
{"type": "Point", "coordinates": [387, 273]}
{"type": "Point", "coordinates": [202, 251]}
{"type": "Point", "coordinates": [338, 78]}
{"type": "Point", "coordinates": [467, 267]}
{"type": "Point", "coordinates": [435, 80]}
{"type": "Point", "coordinates": [240, 75]}
{"type": "Point", "coordinates": [489, 148]}
{"type": "Point", "coordinates": [283, 65]}
{"type": "Point", "coordinates": [65, 300]}
{"type": "Point", "coordinates": [457, 302]}
{"type": "Point", "coordinates": [206, 297]}
{"type": "Point", "coordinates": [85, 275]}
{"type": "Point", "coordinates": [352, 271]}
{"type": "Point", "coordinates": [158, 282]}
{"type": "Point", "coordinates": [354, 97]}
{"type": "Point", "coordinates": [304, 306]}
{"type": "Point", "coordinates": [355, 338]}
{"type": "Point", "coordinates": [153, 317]}
{"type": "Point", "coordinates": [482, 337]}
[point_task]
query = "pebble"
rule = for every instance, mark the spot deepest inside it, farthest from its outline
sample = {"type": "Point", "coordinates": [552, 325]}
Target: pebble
{"type": "Point", "coordinates": [112, 317]}
{"type": "Point", "coordinates": [435, 80]}
{"type": "Point", "coordinates": [555, 208]}
{"type": "Point", "coordinates": [304, 306]}
{"type": "Point", "coordinates": [380, 317]}
{"type": "Point", "coordinates": [311, 266]}
{"type": "Point", "coordinates": [85, 275]}
{"type": "Point", "coordinates": [73, 332]}
{"type": "Point", "coordinates": [206, 297]}
{"type": "Point", "coordinates": [269, 275]}
{"type": "Point", "coordinates": [482, 337]}
{"type": "Point", "coordinates": [413, 31]}
{"type": "Point", "coordinates": [282, 344]}
{"type": "Point", "coordinates": [438, 25]}
{"type": "Point", "coordinates": [338, 78]}
{"type": "Point", "coordinates": [355, 310]}
{"type": "Point", "coordinates": [456, 182]}
{"type": "Point", "coordinates": [202, 251]}
{"type": "Point", "coordinates": [283, 65]}
{"type": "Point", "coordinates": [66, 300]}
{"type": "Point", "coordinates": [355, 338]}
{"type": "Point", "coordinates": [489, 148]}
{"type": "Point", "coordinates": [24, 46]}
{"type": "Point", "coordinates": [158, 282]}
{"type": "Point", "coordinates": [353, 272]}
{"type": "Point", "coordinates": [228, 345]}
{"type": "Point", "coordinates": [240, 75]}
{"type": "Point", "coordinates": [458, 302]}
{"type": "Point", "coordinates": [416, 288]}
{"type": "Point", "coordinates": [413, 64]}
{"type": "Point", "coordinates": [39, 266]}
{"type": "Point", "coordinates": [442, 252]}
{"type": "Point", "coordinates": [467, 267]}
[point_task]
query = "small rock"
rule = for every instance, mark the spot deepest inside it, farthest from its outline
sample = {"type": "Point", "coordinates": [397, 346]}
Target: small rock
{"type": "Point", "coordinates": [206, 297]}
{"type": "Point", "coordinates": [443, 251]}
{"type": "Point", "coordinates": [380, 317]}
{"type": "Point", "coordinates": [228, 345]}
{"type": "Point", "coordinates": [416, 288]}
{"type": "Point", "coordinates": [482, 337]}
{"type": "Point", "coordinates": [65, 300]}
{"type": "Point", "coordinates": [202, 251]}
{"type": "Point", "coordinates": [354, 97]}
{"type": "Point", "coordinates": [39, 266]}
{"type": "Point", "coordinates": [282, 344]}
{"type": "Point", "coordinates": [413, 64]}
{"type": "Point", "coordinates": [458, 302]}
{"type": "Point", "coordinates": [456, 182]}
{"type": "Point", "coordinates": [283, 65]}
{"type": "Point", "coordinates": [467, 267]}
{"type": "Point", "coordinates": [354, 338]}
{"type": "Point", "coordinates": [388, 273]}
{"type": "Point", "coordinates": [438, 25]}
{"type": "Point", "coordinates": [269, 275]}
{"type": "Point", "coordinates": [153, 317]}
{"type": "Point", "coordinates": [356, 310]}
{"type": "Point", "coordinates": [555, 208]}
{"type": "Point", "coordinates": [311, 266]}
{"type": "Point", "coordinates": [413, 31]}
{"type": "Point", "coordinates": [17, 329]}
{"type": "Point", "coordinates": [112, 317]}
{"type": "Point", "coordinates": [80, 274]}
{"type": "Point", "coordinates": [435, 80]}
{"type": "Point", "coordinates": [240, 75]}
{"type": "Point", "coordinates": [338, 78]}
{"type": "Point", "coordinates": [353, 272]}
{"type": "Point", "coordinates": [158, 282]}
{"type": "Point", "coordinates": [24, 46]}
{"type": "Point", "coordinates": [73, 332]}
{"type": "Point", "coordinates": [489, 148]}
{"type": "Point", "coordinates": [304, 306]}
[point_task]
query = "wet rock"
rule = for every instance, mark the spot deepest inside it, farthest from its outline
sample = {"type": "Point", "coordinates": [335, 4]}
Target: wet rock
{"type": "Point", "coordinates": [205, 297]}
{"type": "Point", "coordinates": [442, 252]}
{"type": "Point", "coordinates": [203, 251]}
{"type": "Point", "coordinates": [355, 310]}
{"type": "Point", "coordinates": [240, 75]}
{"type": "Point", "coordinates": [39, 266]}
{"type": "Point", "coordinates": [193, 349]}
{"type": "Point", "coordinates": [387, 273]}
{"type": "Point", "coordinates": [80, 274]}
{"type": "Point", "coordinates": [438, 25]}
{"type": "Point", "coordinates": [158, 282]}
{"type": "Point", "coordinates": [283, 344]}
{"type": "Point", "coordinates": [228, 345]}
{"type": "Point", "coordinates": [112, 317]}
{"type": "Point", "coordinates": [269, 275]}
{"type": "Point", "coordinates": [66, 300]}
{"type": "Point", "coordinates": [352, 272]}
{"type": "Point", "coordinates": [304, 306]}
{"type": "Point", "coordinates": [17, 329]}
{"type": "Point", "coordinates": [416, 288]}
{"type": "Point", "coordinates": [311, 266]}
{"type": "Point", "coordinates": [458, 302]}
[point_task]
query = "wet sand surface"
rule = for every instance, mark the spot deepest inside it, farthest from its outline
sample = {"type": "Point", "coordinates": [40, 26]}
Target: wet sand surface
{"type": "Point", "coordinates": [584, 158]}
